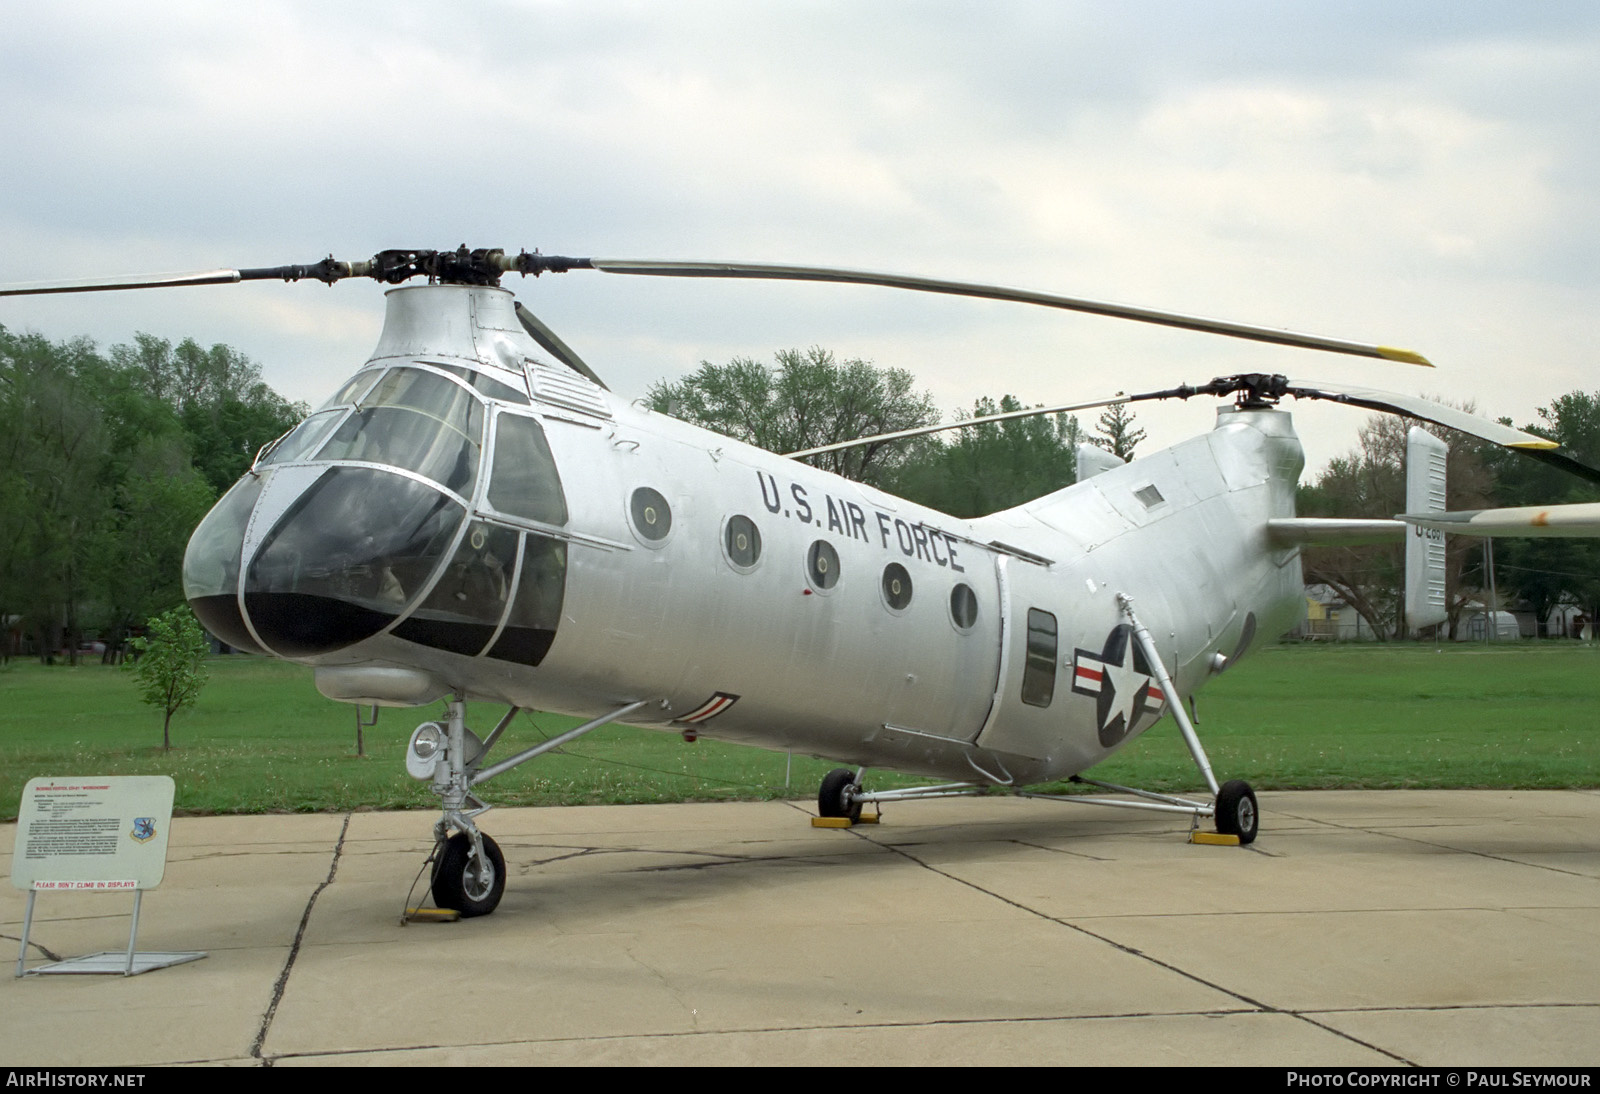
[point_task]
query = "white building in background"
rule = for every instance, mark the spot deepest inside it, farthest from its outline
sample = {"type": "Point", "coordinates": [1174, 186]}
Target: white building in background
{"type": "Point", "coordinates": [1330, 618]}
{"type": "Point", "coordinates": [1507, 626]}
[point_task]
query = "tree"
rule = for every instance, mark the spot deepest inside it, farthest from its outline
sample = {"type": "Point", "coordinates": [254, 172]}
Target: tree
{"type": "Point", "coordinates": [808, 400]}
{"type": "Point", "coordinates": [1544, 573]}
{"type": "Point", "coordinates": [171, 665]}
{"type": "Point", "coordinates": [56, 461]}
{"type": "Point", "coordinates": [138, 552]}
{"type": "Point", "coordinates": [985, 468]}
{"type": "Point", "coordinates": [1117, 435]}
{"type": "Point", "coordinates": [106, 465]}
{"type": "Point", "coordinates": [225, 409]}
{"type": "Point", "coordinates": [1371, 482]}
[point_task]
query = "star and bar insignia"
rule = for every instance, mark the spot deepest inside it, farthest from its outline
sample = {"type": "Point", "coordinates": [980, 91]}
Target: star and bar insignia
{"type": "Point", "coordinates": [1120, 679]}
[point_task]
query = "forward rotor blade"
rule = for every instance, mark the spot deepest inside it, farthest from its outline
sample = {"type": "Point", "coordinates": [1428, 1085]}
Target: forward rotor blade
{"type": "Point", "coordinates": [998, 292]}
{"type": "Point", "coordinates": [1533, 521]}
{"type": "Point", "coordinates": [327, 271]}
{"type": "Point", "coordinates": [109, 284]}
{"type": "Point", "coordinates": [554, 346]}
{"type": "Point", "coordinates": [1409, 406]}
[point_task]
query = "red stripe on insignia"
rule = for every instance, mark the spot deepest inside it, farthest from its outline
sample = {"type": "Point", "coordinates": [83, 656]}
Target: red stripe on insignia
{"type": "Point", "coordinates": [711, 709]}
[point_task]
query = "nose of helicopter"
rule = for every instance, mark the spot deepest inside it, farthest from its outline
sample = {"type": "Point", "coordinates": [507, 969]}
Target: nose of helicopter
{"type": "Point", "coordinates": [355, 525]}
{"type": "Point", "coordinates": [333, 564]}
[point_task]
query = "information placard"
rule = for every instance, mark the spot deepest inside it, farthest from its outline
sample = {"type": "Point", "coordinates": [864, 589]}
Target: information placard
{"type": "Point", "coordinates": [93, 834]}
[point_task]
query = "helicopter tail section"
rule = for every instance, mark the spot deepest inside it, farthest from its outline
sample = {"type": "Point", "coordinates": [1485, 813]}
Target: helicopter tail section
{"type": "Point", "coordinates": [1426, 456]}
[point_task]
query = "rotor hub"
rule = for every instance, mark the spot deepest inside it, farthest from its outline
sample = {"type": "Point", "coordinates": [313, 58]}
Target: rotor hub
{"type": "Point", "coordinates": [462, 266]}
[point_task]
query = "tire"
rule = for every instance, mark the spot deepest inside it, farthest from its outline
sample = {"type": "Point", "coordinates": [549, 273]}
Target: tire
{"type": "Point", "coordinates": [1237, 813]}
{"type": "Point", "coordinates": [462, 883]}
{"type": "Point", "coordinates": [837, 796]}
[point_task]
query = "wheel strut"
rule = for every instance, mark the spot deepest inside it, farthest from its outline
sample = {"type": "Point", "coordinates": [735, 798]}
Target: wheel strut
{"type": "Point", "coordinates": [1234, 810]}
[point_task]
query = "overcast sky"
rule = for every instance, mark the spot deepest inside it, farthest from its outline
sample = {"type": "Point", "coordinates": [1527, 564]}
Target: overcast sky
{"type": "Point", "coordinates": [1420, 174]}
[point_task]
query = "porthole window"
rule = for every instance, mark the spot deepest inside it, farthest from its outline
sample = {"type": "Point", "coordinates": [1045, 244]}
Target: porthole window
{"type": "Point", "coordinates": [652, 516]}
{"type": "Point", "coordinates": [822, 565]}
{"type": "Point", "coordinates": [963, 608]}
{"type": "Point", "coordinates": [741, 542]}
{"type": "Point", "coordinates": [896, 586]}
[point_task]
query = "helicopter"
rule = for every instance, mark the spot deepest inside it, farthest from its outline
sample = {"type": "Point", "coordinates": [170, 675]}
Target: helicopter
{"type": "Point", "coordinates": [474, 515]}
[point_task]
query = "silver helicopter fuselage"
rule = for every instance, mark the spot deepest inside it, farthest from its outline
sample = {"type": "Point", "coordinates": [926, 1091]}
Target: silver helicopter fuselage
{"type": "Point", "coordinates": [464, 518]}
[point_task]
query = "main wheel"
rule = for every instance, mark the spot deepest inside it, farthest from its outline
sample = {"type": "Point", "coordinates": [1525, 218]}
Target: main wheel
{"type": "Point", "coordinates": [837, 798]}
{"type": "Point", "coordinates": [1237, 814]}
{"type": "Point", "coordinates": [463, 881]}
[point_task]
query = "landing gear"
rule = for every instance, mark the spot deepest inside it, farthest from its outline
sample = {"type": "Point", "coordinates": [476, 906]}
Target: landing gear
{"type": "Point", "coordinates": [1233, 808]}
{"type": "Point", "coordinates": [838, 796]}
{"type": "Point", "coordinates": [469, 872]}
{"type": "Point", "coordinates": [1236, 811]}
{"type": "Point", "coordinates": [466, 881]}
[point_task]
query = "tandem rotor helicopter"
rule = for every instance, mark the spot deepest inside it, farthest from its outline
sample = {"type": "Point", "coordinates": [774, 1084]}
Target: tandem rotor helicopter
{"type": "Point", "coordinates": [474, 515]}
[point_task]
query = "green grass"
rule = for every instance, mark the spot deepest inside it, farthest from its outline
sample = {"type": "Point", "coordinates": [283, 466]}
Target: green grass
{"type": "Point", "coordinates": [1378, 717]}
{"type": "Point", "coordinates": [262, 740]}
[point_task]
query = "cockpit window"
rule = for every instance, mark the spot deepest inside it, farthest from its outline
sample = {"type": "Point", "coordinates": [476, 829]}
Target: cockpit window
{"type": "Point", "coordinates": [418, 421]}
{"type": "Point", "coordinates": [346, 558]}
{"type": "Point", "coordinates": [488, 385]}
{"type": "Point", "coordinates": [461, 612]}
{"type": "Point", "coordinates": [524, 482]}
{"type": "Point", "coordinates": [299, 442]}
{"type": "Point", "coordinates": [353, 388]}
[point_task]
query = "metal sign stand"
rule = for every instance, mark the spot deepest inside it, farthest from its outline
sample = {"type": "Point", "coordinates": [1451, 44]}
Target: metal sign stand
{"type": "Point", "coordinates": [95, 835]}
{"type": "Point", "coordinates": [129, 962]}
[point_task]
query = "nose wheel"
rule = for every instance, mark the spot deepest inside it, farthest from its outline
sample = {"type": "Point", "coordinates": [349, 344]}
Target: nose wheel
{"type": "Point", "coordinates": [469, 882]}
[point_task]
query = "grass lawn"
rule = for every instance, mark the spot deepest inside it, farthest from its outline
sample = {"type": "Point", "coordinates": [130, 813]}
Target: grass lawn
{"type": "Point", "coordinates": [1373, 716]}
{"type": "Point", "coordinates": [262, 740]}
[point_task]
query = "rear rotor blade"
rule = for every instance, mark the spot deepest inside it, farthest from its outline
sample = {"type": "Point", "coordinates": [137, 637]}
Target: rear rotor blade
{"type": "Point", "coordinates": [1010, 415]}
{"type": "Point", "coordinates": [962, 423]}
{"type": "Point", "coordinates": [1409, 406]}
{"type": "Point", "coordinates": [998, 292]}
{"type": "Point", "coordinates": [1534, 521]}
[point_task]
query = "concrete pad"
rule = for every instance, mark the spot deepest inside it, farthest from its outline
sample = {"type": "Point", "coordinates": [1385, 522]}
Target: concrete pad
{"type": "Point", "coordinates": [1480, 1036]}
{"type": "Point", "coordinates": [1092, 1042]}
{"type": "Point", "coordinates": [1362, 928]}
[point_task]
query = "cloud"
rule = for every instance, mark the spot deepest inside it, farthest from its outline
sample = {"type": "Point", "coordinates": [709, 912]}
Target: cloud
{"type": "Point", "coordinates": [1417, 174]}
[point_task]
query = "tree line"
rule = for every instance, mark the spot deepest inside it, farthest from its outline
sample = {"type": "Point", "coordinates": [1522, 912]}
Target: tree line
{"type": "Point", "coordinates": [809, 398]}
{"type": "Point", "coordinates": [109, 460]}
{"type": "Point", "coordinates": [1538, 574]}
{"type": "Point", "coordinates": [107, 463]}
